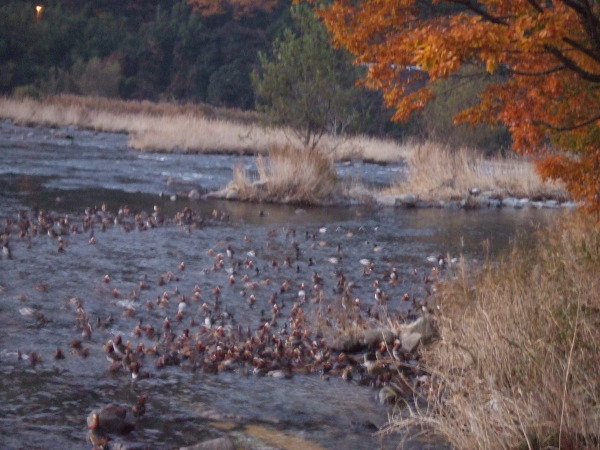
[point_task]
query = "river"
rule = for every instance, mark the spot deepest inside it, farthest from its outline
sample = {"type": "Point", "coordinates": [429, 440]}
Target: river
{"type": "Point", "coordinates": [58, 180]}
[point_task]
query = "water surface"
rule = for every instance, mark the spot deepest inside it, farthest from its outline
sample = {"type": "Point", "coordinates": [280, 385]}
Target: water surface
{"type": "Point", "coordinates": [59, 173]}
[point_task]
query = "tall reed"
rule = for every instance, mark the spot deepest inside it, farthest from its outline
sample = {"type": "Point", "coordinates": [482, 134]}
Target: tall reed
{"type": "Point", "coordinates": [434, 171]}
{"type": "Point", "coordinates": [437, 172]}
{"type": "Point", "coordinates": [165, 127]}
{"type": "Point", "coordinates": [518, 359]}
{"type": "Point", "coordinates": [290, 175]}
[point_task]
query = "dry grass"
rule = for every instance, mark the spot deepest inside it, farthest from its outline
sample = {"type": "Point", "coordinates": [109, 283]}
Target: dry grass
{"type": "Point", "coordinates": [439, 173]}
{"type": "Point", "coordinates": [68, 109]}
{"type": "Point", "coordinates": [519, 355]}
{"type": "Point", "coordinates": [289, 175]}
{"type": "Point", "coordinates": [167, 127]}
{"type": "Point", "coordinates": [436, 173]}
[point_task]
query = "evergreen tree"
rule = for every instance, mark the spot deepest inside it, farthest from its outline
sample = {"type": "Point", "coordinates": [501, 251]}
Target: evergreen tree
{"type": "Point", "coordinates": [305, 83]}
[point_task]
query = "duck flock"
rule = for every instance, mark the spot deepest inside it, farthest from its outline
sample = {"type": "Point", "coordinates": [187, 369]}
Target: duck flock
{"type": "Point", "coordinates": [291, 301]}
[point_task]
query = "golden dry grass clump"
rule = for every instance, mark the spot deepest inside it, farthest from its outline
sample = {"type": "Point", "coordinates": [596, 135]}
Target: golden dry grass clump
{"type": "Point", "coordinates": [437, 172]}
{"type": "Point", "coordinates": [150, 126]}
{"type": "Point", "coordinates": [67, 109]}
{"type": "Point", "coordinates": [165, 127]}
{"type": "Point", "coordinates": [518, 358]}
{"type": "Point", "coordinates": [289, 175]}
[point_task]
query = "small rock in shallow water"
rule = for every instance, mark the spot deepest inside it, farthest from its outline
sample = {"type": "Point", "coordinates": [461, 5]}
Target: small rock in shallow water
{"type": "Point", "coordinates": [510, 202]}
{"type": "Point", "coordinates": [551, 204]}
{"type": "Point", "coordinates": [385, 200]}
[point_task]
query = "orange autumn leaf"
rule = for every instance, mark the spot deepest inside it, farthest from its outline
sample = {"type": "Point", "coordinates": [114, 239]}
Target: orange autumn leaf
{"type": "Point", "coordinates": [547, 54]}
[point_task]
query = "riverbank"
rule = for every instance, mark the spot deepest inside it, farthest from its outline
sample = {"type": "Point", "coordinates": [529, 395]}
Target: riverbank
{"type": "Point", "coordinates": [166, 127]}
{"type": "Point", "coordinates": [435, 176]}
{"type": "Point", "coordinates": [517, 358]}
{"type": "Point", "coordinates": [151, 246]}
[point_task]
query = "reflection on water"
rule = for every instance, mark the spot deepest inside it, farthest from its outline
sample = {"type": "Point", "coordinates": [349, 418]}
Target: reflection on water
{"type": "Point", "coordinates": [45, 405]}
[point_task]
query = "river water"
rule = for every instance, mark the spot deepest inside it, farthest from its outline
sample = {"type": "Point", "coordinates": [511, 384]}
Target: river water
{"type": "Point", "coordinates": [57, 274]}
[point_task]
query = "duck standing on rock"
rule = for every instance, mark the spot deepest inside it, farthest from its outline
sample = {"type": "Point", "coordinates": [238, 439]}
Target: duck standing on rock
{"type": "Point", "coordinates": [114, 419]}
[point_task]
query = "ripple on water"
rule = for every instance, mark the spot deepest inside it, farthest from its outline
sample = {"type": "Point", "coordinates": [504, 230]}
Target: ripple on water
{"type": "Point", "coordinates": [45, 405]}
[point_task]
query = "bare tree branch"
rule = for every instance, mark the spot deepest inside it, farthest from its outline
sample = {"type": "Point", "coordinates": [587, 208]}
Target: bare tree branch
{"type": "Point", "coordinates": [595, 55]}
{"type": "Point", "coordinates": [572, 65]}
{"type": "Point", "coordinates": [535, 74]}
{"type": "Point", "coordinates": [536, 5]}
{"type": "Point", "coordinates": [480, 10]}
{"type": "Point", "coordinates": [568, 128]}
{"type": "Point", "coordinates": [589, 19]}
{"type": "Point", "coordinates": [576, 6]}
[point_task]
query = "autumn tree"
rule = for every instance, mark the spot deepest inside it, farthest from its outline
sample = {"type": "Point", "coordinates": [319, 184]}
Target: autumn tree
{"type": "Point", "coordinates": [548, 51]}
{"type": "Point", "coordinates": [305, 83]}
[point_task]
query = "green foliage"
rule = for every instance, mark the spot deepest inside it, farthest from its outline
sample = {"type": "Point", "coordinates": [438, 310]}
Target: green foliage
{"type": "Point", "coordinates": [454, 94]}
{"type": "Point", "coordinates": [149, 49]}
{"type": "Point", "coordinates": [306, 84]}
{"type": "Point", "coordinates": [161, 50]}
{"type": "Point", "coordinates": [98, 77]}
{"type": "Point", "coordinates": [229, 84]}
{"type": "Point", "coordinates": [27, 91]}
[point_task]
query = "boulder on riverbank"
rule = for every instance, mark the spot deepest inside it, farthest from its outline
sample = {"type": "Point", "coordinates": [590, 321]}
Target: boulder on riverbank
{"type": "Point", "coordinates": [411, 335]}
{"type": "Point", "coordinates": [418, 332]}
{"type": "Point", "coordinates": [481, 200]}
{"type": "Point", "coordinates": [366, 339]}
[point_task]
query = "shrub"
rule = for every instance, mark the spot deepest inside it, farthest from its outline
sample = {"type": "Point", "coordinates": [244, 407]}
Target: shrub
{"type": "Point", "coordinates": [438, 172]}
{"type": "Point", "coordinates": [290, 175]}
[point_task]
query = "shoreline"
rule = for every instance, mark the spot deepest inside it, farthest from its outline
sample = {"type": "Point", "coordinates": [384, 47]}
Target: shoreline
{"type": "Point", "coordinates": [471, 201]}
{"type": "Point", "coordinates": [473, 198]}
{"type": "Point", "coordinates": [438, 177]}
{"type": "Point", "coordinates": [193, 129]}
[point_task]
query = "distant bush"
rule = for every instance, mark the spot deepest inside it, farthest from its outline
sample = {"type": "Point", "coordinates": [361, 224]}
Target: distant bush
{"type": "Point", "coordinates": [436, 123]}
{"type": "Point", "coordinates": [28, 90]}
{"type": "Point", "coordinates": [230, 84]}
{"type": "Point", "coordinates": [94, 78]}
{"type": "Point", "coordinates": [289, 175]}
{"type": "Point", "coordinates": [98, 77]}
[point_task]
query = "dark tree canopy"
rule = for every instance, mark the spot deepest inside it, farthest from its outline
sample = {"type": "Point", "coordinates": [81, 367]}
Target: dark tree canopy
{"type": "Point", "coordinates": [305, 83]}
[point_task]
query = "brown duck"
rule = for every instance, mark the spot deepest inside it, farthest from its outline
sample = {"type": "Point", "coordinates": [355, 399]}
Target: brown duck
{"type": "Point", "coordinates": [118, 419]}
